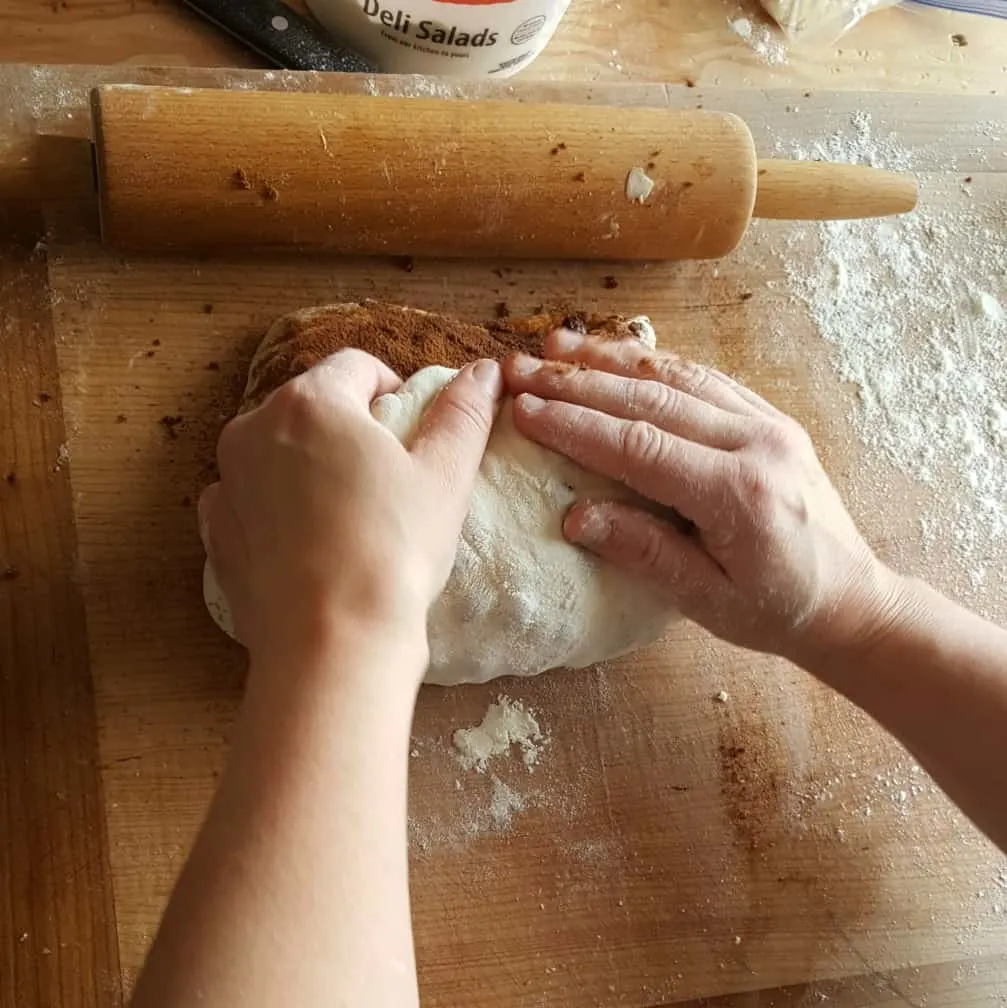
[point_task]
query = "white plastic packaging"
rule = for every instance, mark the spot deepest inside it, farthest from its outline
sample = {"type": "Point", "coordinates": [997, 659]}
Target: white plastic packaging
{"type": "Point", "coordinates": [461, 38]}
{"type": "Point", "coordinates": [826, 20]}
{"type": "Point", "coordinates": [820, 20]}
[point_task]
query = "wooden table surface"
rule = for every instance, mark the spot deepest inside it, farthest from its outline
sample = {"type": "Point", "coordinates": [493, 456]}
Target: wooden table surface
{"type": "Point", "coordinates": [907, 48]}
{"type": "Point", "coordinates": [54, 858]}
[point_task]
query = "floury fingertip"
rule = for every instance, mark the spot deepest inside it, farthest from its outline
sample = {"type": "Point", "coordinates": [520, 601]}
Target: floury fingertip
{"type": "Point", "coordinates": [487, 373]}
{"type": "Point", "coordinates": [566, 340]}
{"type": "Point", "coordinates": [588, 526]}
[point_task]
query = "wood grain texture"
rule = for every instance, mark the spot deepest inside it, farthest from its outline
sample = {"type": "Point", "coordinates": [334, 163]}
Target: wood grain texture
{"type": "Point", "coordinates": [405, 176]}
{"type": "Point", "coordinates": [906, 48]}
{"type": "Point", "coordinates": [820, 190]}
{"type": "Point", "coordinates": [659, 826]}
{"type": "Point", "coordinates": [367, 175]}
{"type": "Point", "coordinates": [57, 927]}
{"type": "Point", "coordinates": [973, 983]}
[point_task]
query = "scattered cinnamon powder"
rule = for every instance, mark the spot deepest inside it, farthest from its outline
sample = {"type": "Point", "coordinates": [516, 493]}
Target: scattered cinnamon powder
{"type": "Point", "coordinates": [562, 367]}
{"type": "Point", "coordinates": [647, 368]}
{"type": "Point", "coordinates": [171, 425]}
{"type": "Point", "coordinates": [753, 781]}
{"type": "Point", "coordinates": [406, 340]}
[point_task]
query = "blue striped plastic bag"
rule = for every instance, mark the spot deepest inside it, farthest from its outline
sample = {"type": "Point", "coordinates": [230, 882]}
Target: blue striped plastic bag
{"type": "Point", "coordinates": [995, 8]}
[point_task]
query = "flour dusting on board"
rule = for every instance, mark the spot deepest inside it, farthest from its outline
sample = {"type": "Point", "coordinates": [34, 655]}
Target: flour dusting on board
{"type": "Point", "coordinates": [483, 785]}
{"type": "Point", "coordinates": [507, 723]}
{"type": "Point", "coordinates": [914, 310]}
{"type": "Point", "coordinates": [511, 737]}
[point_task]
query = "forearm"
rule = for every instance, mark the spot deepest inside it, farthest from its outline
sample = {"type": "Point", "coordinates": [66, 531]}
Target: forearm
{"type": "Point", "coordinates": [297, 888]}
{"type": "Point", "coordinates": [938, 682]}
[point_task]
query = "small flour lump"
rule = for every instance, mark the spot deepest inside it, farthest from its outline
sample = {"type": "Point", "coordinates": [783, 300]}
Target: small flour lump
{"type": "Point", "coordinates": [520, 599]}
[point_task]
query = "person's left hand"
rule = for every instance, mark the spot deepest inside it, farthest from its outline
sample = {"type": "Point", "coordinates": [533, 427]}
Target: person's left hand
{"type": "Point", "coordinates": [323, 520]}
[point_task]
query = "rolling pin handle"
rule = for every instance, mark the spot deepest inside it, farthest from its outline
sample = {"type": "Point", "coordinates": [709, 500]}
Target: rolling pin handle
{"type": "Point", "coordinates": [824, 190]}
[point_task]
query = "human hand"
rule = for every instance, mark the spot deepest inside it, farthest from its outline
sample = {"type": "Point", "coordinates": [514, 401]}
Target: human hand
{"type": "Point", "coordinates": [773, 561]}
{"type": "Point", "coordinates": [322, 519]}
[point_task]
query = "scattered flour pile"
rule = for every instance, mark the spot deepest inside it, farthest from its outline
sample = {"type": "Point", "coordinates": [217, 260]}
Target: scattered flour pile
{"type": "Point", "coordinates": [506, 723]}
{"type": "Point", "coordinates": [509, 736]}
{"type": "Point", "coordinates": [914, 308]}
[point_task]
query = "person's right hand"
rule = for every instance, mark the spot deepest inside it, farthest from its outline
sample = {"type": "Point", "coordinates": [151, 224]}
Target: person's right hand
{"type": "Point", "coordinates": [774, 561]}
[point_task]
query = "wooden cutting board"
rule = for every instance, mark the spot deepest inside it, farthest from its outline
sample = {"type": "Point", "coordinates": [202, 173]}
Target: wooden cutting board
{"type": "Point", "coordinates": [666, 847]}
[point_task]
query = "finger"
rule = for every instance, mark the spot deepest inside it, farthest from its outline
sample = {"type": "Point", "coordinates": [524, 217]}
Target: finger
{"type": "Point", "coordinates": [633, 359]}
{"type": "Point", "coordinates": [629, 398]}
{"type": "Point", "coordinates": [349, 376]}
{"type": "Point", "coordinates": [752, 398]}
{"type": "Point", "coordinates": [664, 467]}
{"type": "Point", "coordinates": [452, 438]}
{"type": "Point", "coordinates": [646, 545]}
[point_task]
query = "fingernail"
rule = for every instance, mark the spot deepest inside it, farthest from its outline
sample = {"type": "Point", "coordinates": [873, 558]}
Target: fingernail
{"type": "Point", "coordinates": [590, 528]}
{"type": "Point", "coordinates": [486, 373]}
{"type": "Point", "coordinates": [566, 340]}
{"type": "Point", "coordinates": [525, 365]}
{"type": "Point", "coordinates": [530, 403]}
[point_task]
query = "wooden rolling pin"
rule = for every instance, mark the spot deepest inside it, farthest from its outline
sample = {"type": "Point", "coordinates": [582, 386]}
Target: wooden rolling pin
{"type": "Point", "coordinates": [196, 169]}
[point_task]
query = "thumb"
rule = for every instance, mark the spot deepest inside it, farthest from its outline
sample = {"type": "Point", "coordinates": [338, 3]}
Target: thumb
{"type": "Point", "coordinates": [454, 432]}
{"type": "Point", "coordinates": [649, 546]}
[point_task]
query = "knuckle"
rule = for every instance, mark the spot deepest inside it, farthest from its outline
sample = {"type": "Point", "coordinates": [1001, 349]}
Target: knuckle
{"type": "Point", "coordinates": [644, 550]}
{"type": "Point", "coordinates": [642, 442]}
{"type": "Point", "coordinates": [350, 355]}
{"type": "Point", "coordinates": [682, 373]}
{"type": "Point", "coordinates": [292, 401]}
{"type": "Point", "coordinates": [754, 488]}
{"type": "Point", "coordinates": [783, 438]}
{"type": "Point", "coordinates": [348, 359]}
{"type": "Point", "coordinates": [651, 398]}
{"type": "Point", "coordinates": [468, 414]}
{"type": "Point", "coordinates": [229, 442]}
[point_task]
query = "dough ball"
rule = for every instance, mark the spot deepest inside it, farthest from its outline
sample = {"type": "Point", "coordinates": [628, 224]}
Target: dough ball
{"type": "Point", "coordinates": [520, 599]}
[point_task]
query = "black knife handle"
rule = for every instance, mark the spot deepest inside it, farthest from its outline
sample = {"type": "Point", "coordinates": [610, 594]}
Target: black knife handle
{"type": "Point", "coordinates": [284, 37]}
